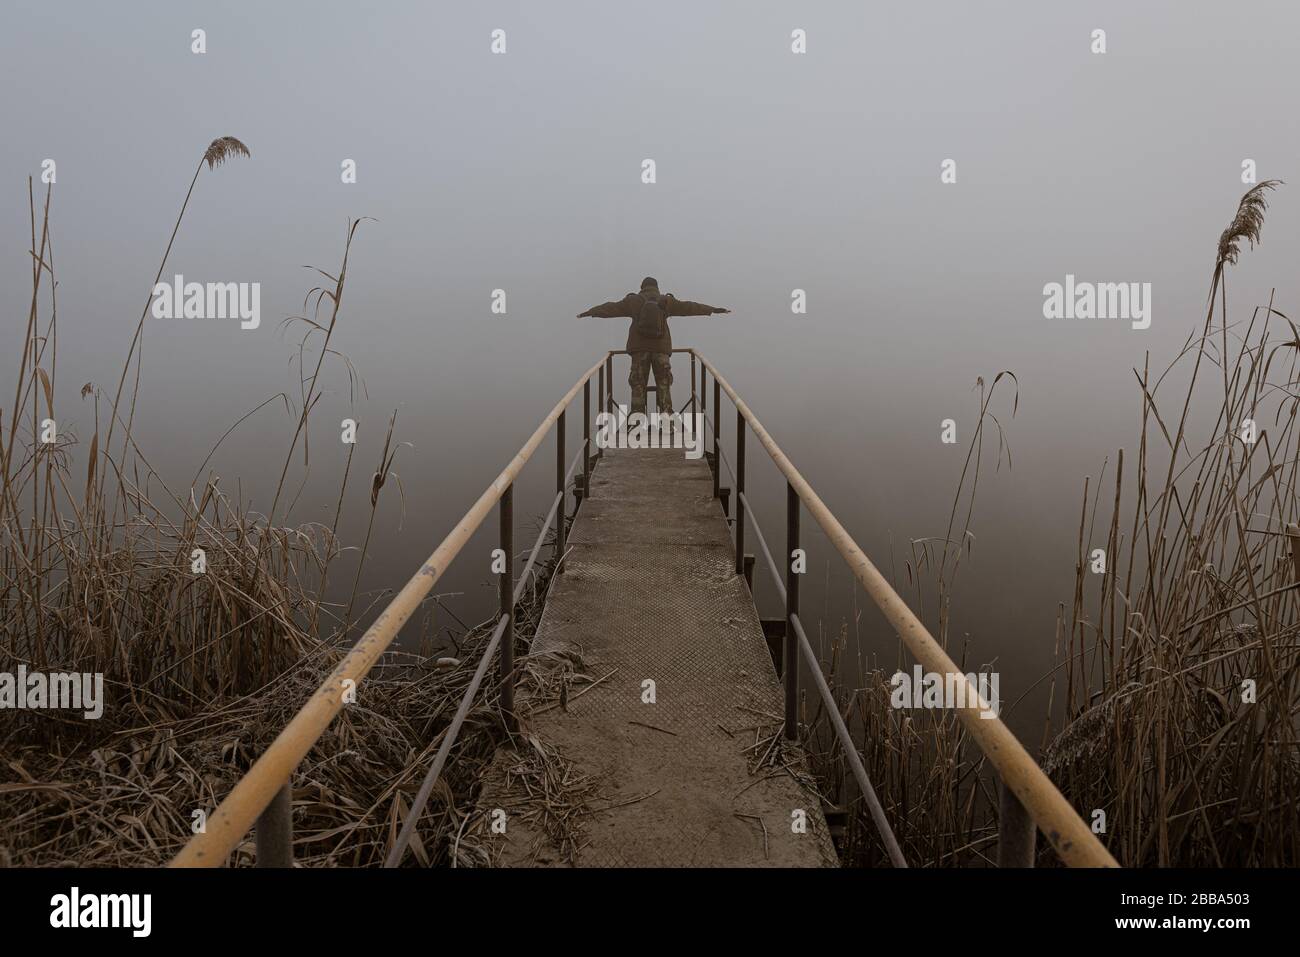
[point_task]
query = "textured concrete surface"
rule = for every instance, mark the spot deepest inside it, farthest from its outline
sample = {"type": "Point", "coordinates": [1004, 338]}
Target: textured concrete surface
{"type": "Point", "coordinates": [649, 592]}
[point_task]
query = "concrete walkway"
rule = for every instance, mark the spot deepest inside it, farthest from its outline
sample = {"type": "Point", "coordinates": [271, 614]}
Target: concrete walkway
{"type": "Point", "coordinates": [649, 593]}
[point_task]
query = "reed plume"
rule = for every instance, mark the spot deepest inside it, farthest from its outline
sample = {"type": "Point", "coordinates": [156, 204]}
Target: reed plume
{"type": "Point", "coordinates": [1248, 222]}
{"type": "Point", "coordinates": [222, 148]}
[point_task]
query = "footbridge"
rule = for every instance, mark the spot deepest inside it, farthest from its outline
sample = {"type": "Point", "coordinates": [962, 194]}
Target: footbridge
{"type": "Point", "coordinates": [689, 713]}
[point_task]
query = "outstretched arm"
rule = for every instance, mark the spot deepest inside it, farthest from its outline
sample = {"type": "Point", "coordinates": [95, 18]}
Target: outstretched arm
{"type": "Point", "coordinates": [684, 307]}
{"type": "Point", "coordinates": [616, 309]}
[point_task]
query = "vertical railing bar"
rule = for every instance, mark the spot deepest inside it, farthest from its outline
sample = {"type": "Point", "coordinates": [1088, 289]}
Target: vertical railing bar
{"type": "Point", "coordinates": [740, 489]}
{"type": "Point", "coordinates": [791, 674]}
{"type": "Point", "coordinates": [274, 830]}
{"type": "Point", "coordinates": [561, 533]}
{"type": "Point", "coordinates": [704, 397]}
{"type": "Point", "coordinates": [609, 382]}
{"type": "Point", "coordinates": [507, 510]}
{"type": "Point", "coordinates": [586, 438]}
{"type": "Point", "coordinates": [1017, 833]}
{"type": "Point", "coordinates": [692, 378]}
{"type": "Point", "coordinates": [717, 437]}
{"type": "Point", "coordinates": [600, 391]}
{"type": "Point", "coordinates": [704, 412]}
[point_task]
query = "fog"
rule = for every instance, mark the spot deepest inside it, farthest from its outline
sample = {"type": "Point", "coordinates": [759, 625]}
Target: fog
{"type": "Point", "coordinates": [775, 171]}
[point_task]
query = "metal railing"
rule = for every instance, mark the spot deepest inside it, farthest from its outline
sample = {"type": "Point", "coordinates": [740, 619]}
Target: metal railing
{"type": "Point", "coordinates": [1028, 797]}
{"type": "Point", "coordinates": [262, 797]}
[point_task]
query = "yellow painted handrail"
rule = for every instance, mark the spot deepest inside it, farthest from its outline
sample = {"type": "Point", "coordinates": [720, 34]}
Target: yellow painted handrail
{"type": "Point", "coordinates": [228, 824]}
{"type": "Point", "coordinates": [1072, 839]}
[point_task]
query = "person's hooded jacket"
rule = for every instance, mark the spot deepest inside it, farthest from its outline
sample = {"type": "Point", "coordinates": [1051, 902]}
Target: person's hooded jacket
{"type": "Point", "coordinates": [629, 307]}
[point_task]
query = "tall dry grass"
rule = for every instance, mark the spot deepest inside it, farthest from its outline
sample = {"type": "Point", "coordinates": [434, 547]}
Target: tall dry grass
{"type": "Point", "coordinates": [1179, 662]}
{"type": "Point", "coordinates": [1199, 597]}
{"type": "Point", "coordinates": [931, 780]}
{"type": "Point", "coordinates": [201, 670]}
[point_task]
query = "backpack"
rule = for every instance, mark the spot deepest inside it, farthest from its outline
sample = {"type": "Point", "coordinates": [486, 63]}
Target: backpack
{"type": "Point", "coordinates": [650, 321]}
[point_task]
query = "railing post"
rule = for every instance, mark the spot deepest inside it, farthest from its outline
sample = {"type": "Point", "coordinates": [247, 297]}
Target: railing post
{"type": "Point", "coordinates": [560, 532]}
{"type": "Point", "coordinates": [274, 832]}
{"type": "Point", "coordinates": [507, 510]}
{"type": "Point", "coordinates": [600, 391]}
{"type": "Point", "coordinates": [1017, 833]}
{"type": "Point", "coordinates": [609, 383]}
{"type": "Point", "coordinates": [694, 405]}
{"type": "Point", "coordinates": [586, 438]}
{"type": "Point", "coordinates": [704, 412]}
{"type": "Point", "coordinates": [791, 671]}
{"type": "Point", "coordinates": [704, 395]}
{"type": "Point", "coordinates": [717, 435]}
{"type": "Point", "coordinates": [740, 490]}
